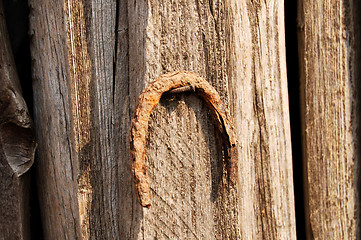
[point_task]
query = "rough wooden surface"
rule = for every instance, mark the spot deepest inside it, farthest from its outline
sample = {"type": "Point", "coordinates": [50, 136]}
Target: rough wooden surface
{"type": "Point", "coordinates": [17, 146]}
{"type": "Point", "coordinates": [329, 36]}
{"type": "Point", "coordinates": [92, 60]}
{"type": "Point", "coordinates": [57, 166]}
{"type": "Point", "coordinates": [73, 62]}
{"type": "Point", "coordinates": [249, 72]}
{"type": "Point", "coordinates": [258, 86]}
{"type": "Point", "coordinates": [191, 198]}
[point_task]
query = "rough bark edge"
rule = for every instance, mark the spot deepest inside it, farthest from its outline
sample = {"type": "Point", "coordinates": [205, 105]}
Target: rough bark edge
{"type": "Point", "coordinates": [149, 99]}
{"type": "Point", "coordinates": [16, 136]}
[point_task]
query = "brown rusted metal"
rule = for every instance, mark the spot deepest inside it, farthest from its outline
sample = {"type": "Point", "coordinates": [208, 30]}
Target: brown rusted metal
{"type": "Point", "coordinates": [190, 88]}
{"type": "Point", "coordinates": [170, 83]}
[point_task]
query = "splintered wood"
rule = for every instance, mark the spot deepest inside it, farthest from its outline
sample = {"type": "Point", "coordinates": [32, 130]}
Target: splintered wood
{"type": "Point", "coordinates": [173, 83]}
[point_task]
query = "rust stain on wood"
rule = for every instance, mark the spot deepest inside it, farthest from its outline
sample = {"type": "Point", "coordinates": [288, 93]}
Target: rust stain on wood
{"type": "Point", "coordinates": [173, 83]}
{"type": "Point", "coordinates": [80, 71]}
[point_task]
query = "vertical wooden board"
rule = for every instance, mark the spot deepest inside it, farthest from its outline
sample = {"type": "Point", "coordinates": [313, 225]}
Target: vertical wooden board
{"type": "Point", "coordinates": [99, 162]}
{"type": "Point", "coordinates": [73, 50]}
{"type": "Point", "coordinates": [257, 70]}
{"type": "Point", "coordinates": [129, 210]}
{"type": "Point", "coordinates": [329, 33]}
{"type": "Point", "coordinates": [248, 54]}
{"type": "Point", "coordinates": [57, 162]}
{"type": "Point", "coordinates": [191, 198]}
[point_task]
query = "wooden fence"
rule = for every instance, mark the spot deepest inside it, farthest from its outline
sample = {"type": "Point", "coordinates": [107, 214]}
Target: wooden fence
{"type": "Point", "coordinates": [294, 102]}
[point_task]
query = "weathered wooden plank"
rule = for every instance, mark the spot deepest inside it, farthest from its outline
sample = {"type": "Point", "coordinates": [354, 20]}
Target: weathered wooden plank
{"type": "Point", "coordinates": [52, 88]}
{"type": "Point", "coordinates": [257, 67]}
{"type": "Point", "coordinates": [17, 146]}
{"type": "Point", "coordinates": [73, 53]}
{"type": "Point", "coordinates": [191, 198]}
{"type": "Point", "coordinates": [91, 62]}
{"type": "Point", "coordinates": [329, 36]}
{"type": "Point", "coordinates": [99, 159]}
{"type": "Point", "coordinates": [239, 48]}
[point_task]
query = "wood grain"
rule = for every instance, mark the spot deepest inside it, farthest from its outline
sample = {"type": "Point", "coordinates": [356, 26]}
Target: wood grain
{"type": "Point", "coordinates": [120, 47]}
{"type": "Point", "coordinates": [329, 33]}
{"type": "Point", "coordinates": [190, 196]}
{"type": "Point", "coordinates": [249, 71]}
{"type": "Point", "coordinates": [258, 86]}
{"type": "Point", "coordinates": [57, 160]}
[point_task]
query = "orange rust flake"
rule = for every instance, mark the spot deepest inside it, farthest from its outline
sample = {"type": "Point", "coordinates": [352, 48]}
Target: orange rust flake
{"type": "Point", "coordinates": [172, 83]}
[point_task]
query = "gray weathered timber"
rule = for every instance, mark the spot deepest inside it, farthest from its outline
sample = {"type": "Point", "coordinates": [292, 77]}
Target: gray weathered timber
{"type": "Point", "coordinates": [17, 146]}
{"type": "Point", "coordinates": [56, 158]}
{"type": "Point", "coordinates": [92, 60]}
{"type": "Point", "coordinates": [258, 86]}
{"type": "Point", "coordinates": [191, 198]}
{"type": "Point", "coordinates": [239, 48]}
{"type": "Point", "coordinates": [73, 62]}
{"type": "Point", "coordinates": [329, 36]}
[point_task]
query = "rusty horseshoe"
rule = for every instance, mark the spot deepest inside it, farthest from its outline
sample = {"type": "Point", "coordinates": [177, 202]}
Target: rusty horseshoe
{"type": "Point", "coordinates": [175, 82]}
